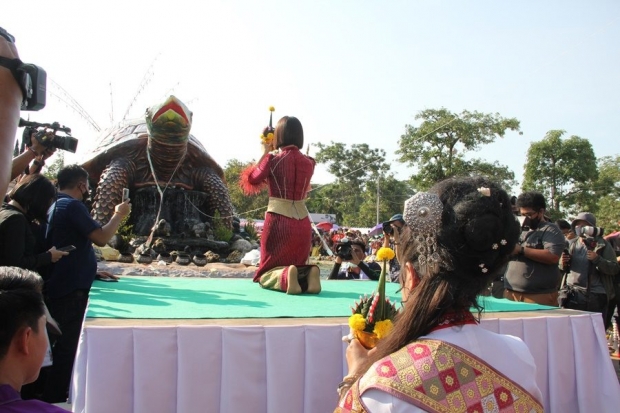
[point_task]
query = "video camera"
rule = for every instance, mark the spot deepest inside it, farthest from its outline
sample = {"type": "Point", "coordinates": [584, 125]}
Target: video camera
{"type": "Point", "coordinates": [32, 79]}
{"type": "Point", "coordinates": [387, 227]}
{"type": "Point", "coordinates": [344, 249]}
{"type": "Point", "coordinates": [588, 233]}
{"type": "Point", "coordinates": [46, 134]}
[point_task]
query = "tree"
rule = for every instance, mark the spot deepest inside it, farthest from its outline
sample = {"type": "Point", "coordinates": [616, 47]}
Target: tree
{"type": "Point", "coordinates": [356, 168]}
{"type": "Point", "coordinates": [334, 199]}
{"type": "Point", "coordinates": [564, 171]}
{"type": "Point", "coordinates": [607, 190]}
{"type": "Point", "coordinates": [392, 196]}
{"type": "Point", "coordinates": [248, 206]}
{"type": "Point", "coordinates": [438, 146]}
{"type": "Point", "coordinates": [51, 171]}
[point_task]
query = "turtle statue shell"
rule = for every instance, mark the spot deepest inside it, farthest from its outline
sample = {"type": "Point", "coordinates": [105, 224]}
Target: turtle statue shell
{"type": "Point", "coordinates": [157, 151]}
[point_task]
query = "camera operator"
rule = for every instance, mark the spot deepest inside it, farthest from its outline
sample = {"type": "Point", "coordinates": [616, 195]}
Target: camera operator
{"type": "Point", "coordinates": [353, 252]}
{"type": "Point", "coordinates": [10, 103]}
{"type": "Point", "coordinates": [590, 266]}
{"type": "Point", "coordinates": [532, 276]}
{"type": "Point", "coordinates": [36, 152]}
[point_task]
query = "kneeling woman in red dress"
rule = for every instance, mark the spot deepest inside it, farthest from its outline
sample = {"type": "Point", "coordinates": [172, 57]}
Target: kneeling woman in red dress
{"type": "Point", "coordinates": [286, 238]}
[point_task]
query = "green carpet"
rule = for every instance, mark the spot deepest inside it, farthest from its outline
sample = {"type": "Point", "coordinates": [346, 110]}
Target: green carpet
{"type": "Point", "coordinates": [159, 297]}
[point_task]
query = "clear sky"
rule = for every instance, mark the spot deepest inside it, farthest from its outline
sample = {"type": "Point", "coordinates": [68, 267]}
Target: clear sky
{"type": "Point", "coordinates": [351, 71]}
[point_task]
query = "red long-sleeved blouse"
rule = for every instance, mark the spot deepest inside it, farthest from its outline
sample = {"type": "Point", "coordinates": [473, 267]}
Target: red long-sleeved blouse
{"type": "Point", "coordinates": [287, 174]}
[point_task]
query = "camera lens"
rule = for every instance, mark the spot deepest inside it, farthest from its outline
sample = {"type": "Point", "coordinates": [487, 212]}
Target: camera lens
{"type": "Point", "coordinates": [387, 228]}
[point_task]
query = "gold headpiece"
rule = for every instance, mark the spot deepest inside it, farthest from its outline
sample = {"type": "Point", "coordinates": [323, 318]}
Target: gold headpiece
{"type": "Point", "coordinates": [423, 217]}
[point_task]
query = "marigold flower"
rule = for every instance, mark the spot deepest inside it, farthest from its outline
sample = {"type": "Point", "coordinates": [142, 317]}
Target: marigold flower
{"type": "Point", "coordinates": [268, 138]}
{"type": "Point", "coordinates": [383, 328]}
{"type": "Point", "coordinates": [357, 322]}
{"type": "Point", "coordinates": [385, 254]}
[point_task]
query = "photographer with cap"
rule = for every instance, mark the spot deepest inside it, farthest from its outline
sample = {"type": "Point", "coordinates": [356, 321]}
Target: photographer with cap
{"type": "Point", "coordinates": [590, 266]}
{"type": "Point", "coordinates": [353, 252]}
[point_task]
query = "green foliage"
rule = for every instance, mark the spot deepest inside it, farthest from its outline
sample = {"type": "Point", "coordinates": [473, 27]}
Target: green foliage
{"type": "Point", "coordinates": [247, 206]}
{"type": "Point", "coordinates": [51, 171]}
{"type": "Point", "coordinates": [438, 146]}
{"type": "Point", "coordinates": [564, 170]}
{"type": "Point", "coordinates": [353, 196]}
{"type": "Point", "coordinates": [607, 190]}
{"type": "Point", "coordinates": [392, 196]}
{"type": "Point", "coordinates": [608, 215]}
{"type": "Point", "coordinates": [125, 230]}
{"type": "Point", "coordinates": [325, 199]}
{"type": "Point", "coordinates": [251, 230]}
{"type": "Point", "coordinates": [355, 165]}
{"type": "Point", "coordinates": [220, 231]}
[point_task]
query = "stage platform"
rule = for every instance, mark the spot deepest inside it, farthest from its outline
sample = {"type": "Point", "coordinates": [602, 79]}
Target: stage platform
{"type": "Point", "coordinates": [153, 344]}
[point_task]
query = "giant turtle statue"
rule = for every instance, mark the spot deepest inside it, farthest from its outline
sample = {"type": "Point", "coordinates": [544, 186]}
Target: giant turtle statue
{"type": "Point", "coordinates": [154, 156]}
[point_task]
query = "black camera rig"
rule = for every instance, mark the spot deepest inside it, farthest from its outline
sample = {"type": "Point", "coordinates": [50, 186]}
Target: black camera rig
{"type": "Point", "coordinates": [589, 234]}
{"type": "Point", "coordinates": [47, 135]}
{"type": "Point", "coordinates": [344, 249]}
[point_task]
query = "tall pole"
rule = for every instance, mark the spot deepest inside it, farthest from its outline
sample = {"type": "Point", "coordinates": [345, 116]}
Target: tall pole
{"type": "Point", "coordinates": [378, 181]}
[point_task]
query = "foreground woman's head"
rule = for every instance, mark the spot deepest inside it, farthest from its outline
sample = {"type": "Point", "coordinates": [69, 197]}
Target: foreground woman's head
{"type": "Point", "coordinates": [456, 237]}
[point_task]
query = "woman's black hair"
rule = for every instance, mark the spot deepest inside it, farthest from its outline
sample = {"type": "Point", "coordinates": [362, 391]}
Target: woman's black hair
{"type": "Point", "coordinates": [289, 132]}
{"type": "Point", "coordinates": [35, 193]}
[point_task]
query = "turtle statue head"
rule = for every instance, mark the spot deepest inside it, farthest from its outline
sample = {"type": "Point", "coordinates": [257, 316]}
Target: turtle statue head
{"type": "Point", "coordinates": [169, 121]}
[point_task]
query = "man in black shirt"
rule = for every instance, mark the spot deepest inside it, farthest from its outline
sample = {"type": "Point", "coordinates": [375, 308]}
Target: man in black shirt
{"type": "Point", "coordinates": [532, 276]}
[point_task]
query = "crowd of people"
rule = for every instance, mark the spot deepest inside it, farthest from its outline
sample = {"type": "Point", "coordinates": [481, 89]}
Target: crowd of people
{"type": "Point", "coordinates": [46, 232]}
{"type": "Point", "coordinates": [451, 244]}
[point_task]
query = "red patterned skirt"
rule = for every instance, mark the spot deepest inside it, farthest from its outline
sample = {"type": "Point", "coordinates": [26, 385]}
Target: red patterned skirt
{"type": "Point", "coordinates": [284, 241]}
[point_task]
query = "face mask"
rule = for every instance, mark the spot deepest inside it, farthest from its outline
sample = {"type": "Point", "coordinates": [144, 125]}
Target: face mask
{"type": "Point", "coordinates": [534, 222]}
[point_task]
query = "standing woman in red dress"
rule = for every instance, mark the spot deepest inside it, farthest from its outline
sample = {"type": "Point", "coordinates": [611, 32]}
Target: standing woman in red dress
{"type": "Point", "coordinates": [285, 241]}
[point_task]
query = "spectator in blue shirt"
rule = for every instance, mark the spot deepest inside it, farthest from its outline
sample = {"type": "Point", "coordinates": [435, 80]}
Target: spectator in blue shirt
{"type": "Point", "coordinates": [68, 285]}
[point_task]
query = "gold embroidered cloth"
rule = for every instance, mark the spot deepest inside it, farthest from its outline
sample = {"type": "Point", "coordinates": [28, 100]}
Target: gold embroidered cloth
{"type": "Point", "coordinates": [440, 377]}
{"type": "Point", "coordinates": [288, 207]}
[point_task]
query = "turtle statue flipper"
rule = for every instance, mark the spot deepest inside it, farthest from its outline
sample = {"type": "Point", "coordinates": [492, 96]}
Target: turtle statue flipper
{"type": "Point", "coordinates": [207, 180]}
{"type": "Point", "coordinates": [110, 188]}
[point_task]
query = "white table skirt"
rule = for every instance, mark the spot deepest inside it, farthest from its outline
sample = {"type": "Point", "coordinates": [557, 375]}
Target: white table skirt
{"type": "Point", "coordinates": [296, 368]}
